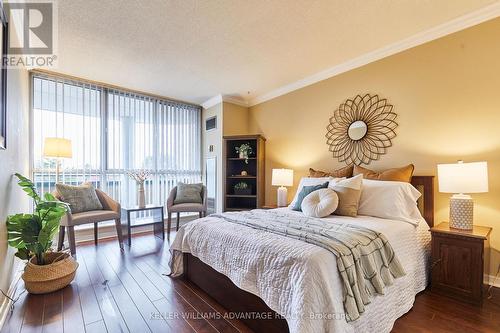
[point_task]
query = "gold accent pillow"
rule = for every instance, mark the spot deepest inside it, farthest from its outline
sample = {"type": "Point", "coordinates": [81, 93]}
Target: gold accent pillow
{"type": "Point", "coordinates": [339, 173]}
{"type": "Point", "coordinates": [349, 192]}
{"type": "Point", "coordinates": [402, 174]}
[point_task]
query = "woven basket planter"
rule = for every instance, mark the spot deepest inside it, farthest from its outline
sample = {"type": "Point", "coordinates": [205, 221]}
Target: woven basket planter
{"type": "Point", "coordinates": [42, 279]}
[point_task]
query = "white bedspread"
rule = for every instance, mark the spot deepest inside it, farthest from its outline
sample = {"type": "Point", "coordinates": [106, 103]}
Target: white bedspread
{"type": "Point", "coordinates": [299, 280]}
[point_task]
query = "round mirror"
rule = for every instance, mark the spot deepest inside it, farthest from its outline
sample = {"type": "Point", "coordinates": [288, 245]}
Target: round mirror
{"type": "Point", "coordinates": [357, 130]}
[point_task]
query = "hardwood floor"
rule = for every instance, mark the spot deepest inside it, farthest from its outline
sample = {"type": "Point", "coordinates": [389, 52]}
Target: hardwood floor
{"type": "Point", "coordinates": [122, 292]}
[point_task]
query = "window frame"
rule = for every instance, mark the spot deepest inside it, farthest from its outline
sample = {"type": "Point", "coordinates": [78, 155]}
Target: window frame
{"type": "Point", "coordinates": [103, 171]}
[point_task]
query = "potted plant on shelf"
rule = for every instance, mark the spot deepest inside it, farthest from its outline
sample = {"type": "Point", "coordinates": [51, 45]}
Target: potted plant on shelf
{"type": "Point", "coordinates": [31, 234]}
{"type": "Point", "coordinates": [242, 188]}
{"type": "Point", "coordinates": [244, 151]}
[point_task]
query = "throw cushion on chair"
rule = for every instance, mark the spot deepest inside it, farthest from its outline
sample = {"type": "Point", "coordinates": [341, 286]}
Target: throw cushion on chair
{"type": "Point", "coordinates": [188, 193]}
{"type": "Point", "coordinates": [81, 198]}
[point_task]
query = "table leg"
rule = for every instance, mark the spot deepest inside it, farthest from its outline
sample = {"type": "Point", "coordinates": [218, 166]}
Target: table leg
{"type": "Point", "coordinates": [158, 229]}
{"type": "Point", "coordinates": [129, 231]}
{"type": "Point", "coordinates": [95, 233]}
{"type": "Point", "coordinates": [162, 224]}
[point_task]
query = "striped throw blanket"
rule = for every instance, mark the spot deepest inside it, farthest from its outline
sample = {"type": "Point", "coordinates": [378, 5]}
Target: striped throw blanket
{"type": "Point", "coordinates": [365, 259]}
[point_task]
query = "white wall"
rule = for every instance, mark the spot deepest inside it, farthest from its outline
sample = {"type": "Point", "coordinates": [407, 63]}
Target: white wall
{"type": "Point", "coordinates": [14, 159]}
{"type": "Point", "coordinates": [214, 137]}
{"type": "Point", "coordinates": [232, 119]}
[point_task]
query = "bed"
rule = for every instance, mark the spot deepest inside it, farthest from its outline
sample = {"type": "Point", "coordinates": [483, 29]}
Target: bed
{"type": "Point", "coordinates": [229, 262]}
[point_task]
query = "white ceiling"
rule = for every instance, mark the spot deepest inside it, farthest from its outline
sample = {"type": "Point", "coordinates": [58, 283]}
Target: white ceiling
{"type": "Point", "coordinates": [193, 50]}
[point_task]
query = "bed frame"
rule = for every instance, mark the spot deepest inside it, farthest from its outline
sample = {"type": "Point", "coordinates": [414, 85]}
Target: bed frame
{"type": "Point", "coordinates": [235, 300]}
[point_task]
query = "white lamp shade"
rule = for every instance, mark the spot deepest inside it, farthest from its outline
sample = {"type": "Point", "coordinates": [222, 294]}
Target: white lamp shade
{"type": "Point", "coordinates": [463, 177]}
{"type": "Point", "coordinates": [57, 147]}
{"type": "Point", "coordinates": [282, 177]}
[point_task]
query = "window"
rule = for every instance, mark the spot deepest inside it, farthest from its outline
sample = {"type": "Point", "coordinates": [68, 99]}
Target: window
{"type": "Point", "coordinates": [113, 132]}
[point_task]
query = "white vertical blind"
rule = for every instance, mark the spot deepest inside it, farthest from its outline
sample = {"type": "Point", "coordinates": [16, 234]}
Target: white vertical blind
{"type": "Point", "coordinates": [179, 151]}
{"type": "Point", "coordinates": [113, 132]}
{"type": "Point", "coordinates": [72, 111]}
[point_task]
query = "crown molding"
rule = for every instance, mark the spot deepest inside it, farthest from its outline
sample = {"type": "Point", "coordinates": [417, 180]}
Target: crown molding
{"type": "Point", "coordinates": [463, 22]}
{"type": "Point", "coordinates": [217, 99]}
{"type": "Point", "coordinates": [234, 100]}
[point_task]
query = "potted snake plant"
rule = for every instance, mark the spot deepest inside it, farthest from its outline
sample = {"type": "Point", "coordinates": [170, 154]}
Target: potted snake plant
{"type": "Point", "coordinates": [32, 233]}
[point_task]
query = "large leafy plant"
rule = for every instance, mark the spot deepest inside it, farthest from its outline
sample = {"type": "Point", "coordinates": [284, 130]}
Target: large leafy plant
{"type": "Point", "coordinates": [32, 234]}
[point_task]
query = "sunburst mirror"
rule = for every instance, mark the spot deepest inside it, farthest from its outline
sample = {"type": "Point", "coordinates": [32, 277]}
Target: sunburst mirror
{"type": "Point", "coordinates": [361, 129]}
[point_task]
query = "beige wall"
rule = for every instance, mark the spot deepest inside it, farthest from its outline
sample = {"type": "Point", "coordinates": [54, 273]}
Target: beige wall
{"type": "Point", "coordinates": [235, 119]}
{"type": "Point", "coordinates": [14, 159]}
{"type": "Point", "coordinates": [447, 97]}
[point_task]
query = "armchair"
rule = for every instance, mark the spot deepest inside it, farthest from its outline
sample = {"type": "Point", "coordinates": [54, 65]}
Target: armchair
{"type": "Point", "coordinates": [185, 207]}
{"type": "Point", "coordinates": [111, 211]}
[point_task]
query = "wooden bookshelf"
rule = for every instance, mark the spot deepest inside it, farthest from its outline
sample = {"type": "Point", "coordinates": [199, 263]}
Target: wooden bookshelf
{"type": "Point", "coordinates": [234, 165]}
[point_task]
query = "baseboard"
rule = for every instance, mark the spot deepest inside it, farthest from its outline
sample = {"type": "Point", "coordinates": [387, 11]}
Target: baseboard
{"type": "Point", "coordinates": [109, 231]}
{"type": "Point", "coordinates": [6, 303]}
{"type": "Point", "coordinates": [490, 280]}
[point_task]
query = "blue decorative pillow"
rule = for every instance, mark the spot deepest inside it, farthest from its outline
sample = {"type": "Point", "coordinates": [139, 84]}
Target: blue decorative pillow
{"type": "Point", "coordinates": [304, 192]}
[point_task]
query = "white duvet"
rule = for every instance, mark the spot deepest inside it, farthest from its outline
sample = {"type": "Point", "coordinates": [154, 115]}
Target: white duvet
{"type": "Point", "coordinates": [299, 280]}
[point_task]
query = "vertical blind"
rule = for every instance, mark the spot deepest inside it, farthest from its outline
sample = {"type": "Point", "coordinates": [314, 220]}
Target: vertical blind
{"type": "Point", "coordinates": [114, 132]}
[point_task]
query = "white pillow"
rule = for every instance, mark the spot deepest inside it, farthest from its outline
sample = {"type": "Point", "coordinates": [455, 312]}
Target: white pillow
{"type": "Point", "coordinates": [354, 182]}
{"type": "Point", "coordinates": [349, 193]}
{"type": "Point", "coordinates": [320, 203]}
{"type": "Point", "coordinates": [308, 181]}
{"type": "Point", "coordinates": [390, 200]}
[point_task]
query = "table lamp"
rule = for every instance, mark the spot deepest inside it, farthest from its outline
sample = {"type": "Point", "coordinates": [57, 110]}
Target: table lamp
{"type": "Point", "coordinates": [462, 178]}
{"type": "Point", "coordinates": [282, 178]}
{"type": "Point", "coordinates": [57, 148]}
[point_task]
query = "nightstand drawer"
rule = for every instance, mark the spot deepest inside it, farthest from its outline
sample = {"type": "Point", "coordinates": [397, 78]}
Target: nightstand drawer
{"type": "Point", "coordinates": [458, 267]}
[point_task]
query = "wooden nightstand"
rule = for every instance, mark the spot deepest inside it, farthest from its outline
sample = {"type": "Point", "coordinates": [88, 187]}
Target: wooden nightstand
{"type": "Point", "coordinates": [459, 263]}
{"type": "Point", "coordinates": [269, 207]}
